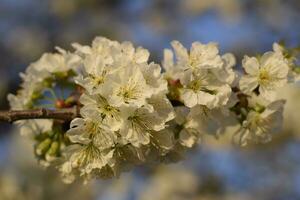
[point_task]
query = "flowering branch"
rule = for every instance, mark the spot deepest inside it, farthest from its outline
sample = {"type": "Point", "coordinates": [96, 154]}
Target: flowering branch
{"type": "Point", "coordinates": [66, 114]}
{"type": "Point", "coordinates": [134, 113]}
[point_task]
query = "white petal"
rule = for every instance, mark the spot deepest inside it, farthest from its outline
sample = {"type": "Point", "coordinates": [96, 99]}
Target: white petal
{"type": "Point", "coordinates": [180, 51]}
{"type": "Point", "coordinates": [141, 55]}
{"type": "Point", "coordinates": [189, 97]}
{"type": "Point", "coordinates": [188, 137]}
{"type": "Point", "coordinates": [251, 65]}
{"type": "Point", "coordinates": [248, 83]}
{"type": "Point", "coordinates": [168, 62]}
{"type": "Point", "coordinates": [267, 93]}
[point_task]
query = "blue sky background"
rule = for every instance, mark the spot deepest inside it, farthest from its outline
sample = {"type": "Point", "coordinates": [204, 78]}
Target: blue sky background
{"type": "Point", "coordinates": [30, 27]}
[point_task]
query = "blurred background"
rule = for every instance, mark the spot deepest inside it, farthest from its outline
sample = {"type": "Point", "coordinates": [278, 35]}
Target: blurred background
{"type": "Point", "coordinates": [216, 170]}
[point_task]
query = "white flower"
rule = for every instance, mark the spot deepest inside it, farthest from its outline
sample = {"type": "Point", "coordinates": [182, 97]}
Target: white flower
{"type": "Point", "coordinates": [208, 121]}
{"type": "Point", "coordinates": [153, 78]}
{"type": "Point", "coordinates": [189, 136]}
{"type": "Point", "coordinates": [203, 89]}
{"type": "Point", "coordinates": [290, 58]}
{"type": "Point", "coordinates": [91, 154]}
{"type": "Point", "coordinates": [33, 77]}
{"type": "Point", "coordinates": [126, 86]}
{"type": "Point", "coordinates": [85, 131]}
{"type": "Point", "coordinates": [261, 123]}
{"type": "Point", "coordinates": [163, 140]}
{"type": "Point", "coordinates": [226, 74]}
{"type": "Point", "coordinates": [162, 106]}
{"type": "Point", "coordinates": [204, 75]}
{"type": "Point", "coordinates": [132, 55]}
{"type": "Point", "coordinates": [85, 156]}
{"type": "Point", "coordinates": [172, 71]}
{"type": "Point", "coordinates": [96, 66]}
{"type": "Point", "coordinates": [56, 62]}
{"type": "Point", "coordinates": [139, 123]}
{"type": "Point", "coordinates": [20, 101]}
{"type": "Point", "coordinates": [84, 159]}
{"type": "Point", "coordinates": [99, 44]}
{"type": "Point", "coordinates": [278, 48]}
{"type": "Point", "coordinates": [97, 108]}
{"type": "Point", "coordinates": [105, 53]}
{"type": "Point", "coordinates": [268, 73]}
{"type": "Point", "coordinates": [185, 127]}
{"type": "Point", "coordinates": [193, 123]}
{"type": "Point", "coordinates": [121, 53]}
{"type": "Point", "coordinates": [201, 56]}
{"type": "Point", "coordinates": [29, 128]}
{"type": "Point", "coordinates": [32, 84]}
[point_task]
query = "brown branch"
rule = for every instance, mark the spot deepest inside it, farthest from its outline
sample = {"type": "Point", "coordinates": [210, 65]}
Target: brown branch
{"type": "Point", "coordinates": [66, 114]}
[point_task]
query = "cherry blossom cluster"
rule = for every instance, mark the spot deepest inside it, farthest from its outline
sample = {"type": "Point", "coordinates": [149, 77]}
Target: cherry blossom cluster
{"type": "Point", "coordinates": [134, 112]}
{"type": "Point", "coordinates": [124, 110]}
{"type": "Point", "coordinates": [38, 91]}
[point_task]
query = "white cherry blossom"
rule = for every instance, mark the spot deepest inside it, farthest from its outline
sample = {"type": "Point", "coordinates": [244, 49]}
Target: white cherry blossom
{"type": "Point", "coordinates": [200, 56]}
{"type": "Point", "coordinates": [268, 73]}
{"type": "Point", "coordinates": [96, 107]}
{"type": "Point", "coordinates": [139, 123]}
{"type": "Point", "coordinates": [127, 86]}
{"type": "Point", "coordinates": [202, 88]}
{"type": "Point", "coordinates": [261, 123]}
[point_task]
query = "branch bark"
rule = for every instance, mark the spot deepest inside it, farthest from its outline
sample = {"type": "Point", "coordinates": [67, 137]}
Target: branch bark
{"type": "Point", "coordinates": [66, 114]}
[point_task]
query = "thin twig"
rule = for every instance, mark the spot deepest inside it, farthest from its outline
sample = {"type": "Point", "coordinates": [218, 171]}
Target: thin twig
{"type": "Point", "coordinates": [66, 114]}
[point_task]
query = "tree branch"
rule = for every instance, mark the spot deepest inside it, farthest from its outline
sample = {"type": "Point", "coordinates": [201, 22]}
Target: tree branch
{"type": "Point", "coordinates": [66, 114]}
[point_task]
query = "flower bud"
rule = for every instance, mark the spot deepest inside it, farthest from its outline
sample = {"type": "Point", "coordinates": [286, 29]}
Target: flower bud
{"type": "Point", "coordinates": [70, 101]}
{"type": "Point", "coordinates": [173, 82]}
{"type": "Point", "coordinates": [43, 146]}
{"type": "Point", "coordinates": [60, 103]}
{"type": "Point", "coordinates": [47, 83]}
{"type": "Point", "coordinates": [52, 151]}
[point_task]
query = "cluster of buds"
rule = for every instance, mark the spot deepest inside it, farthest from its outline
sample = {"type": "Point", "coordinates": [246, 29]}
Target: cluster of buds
{"type": "Point", "coordinates": [48, 145]}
